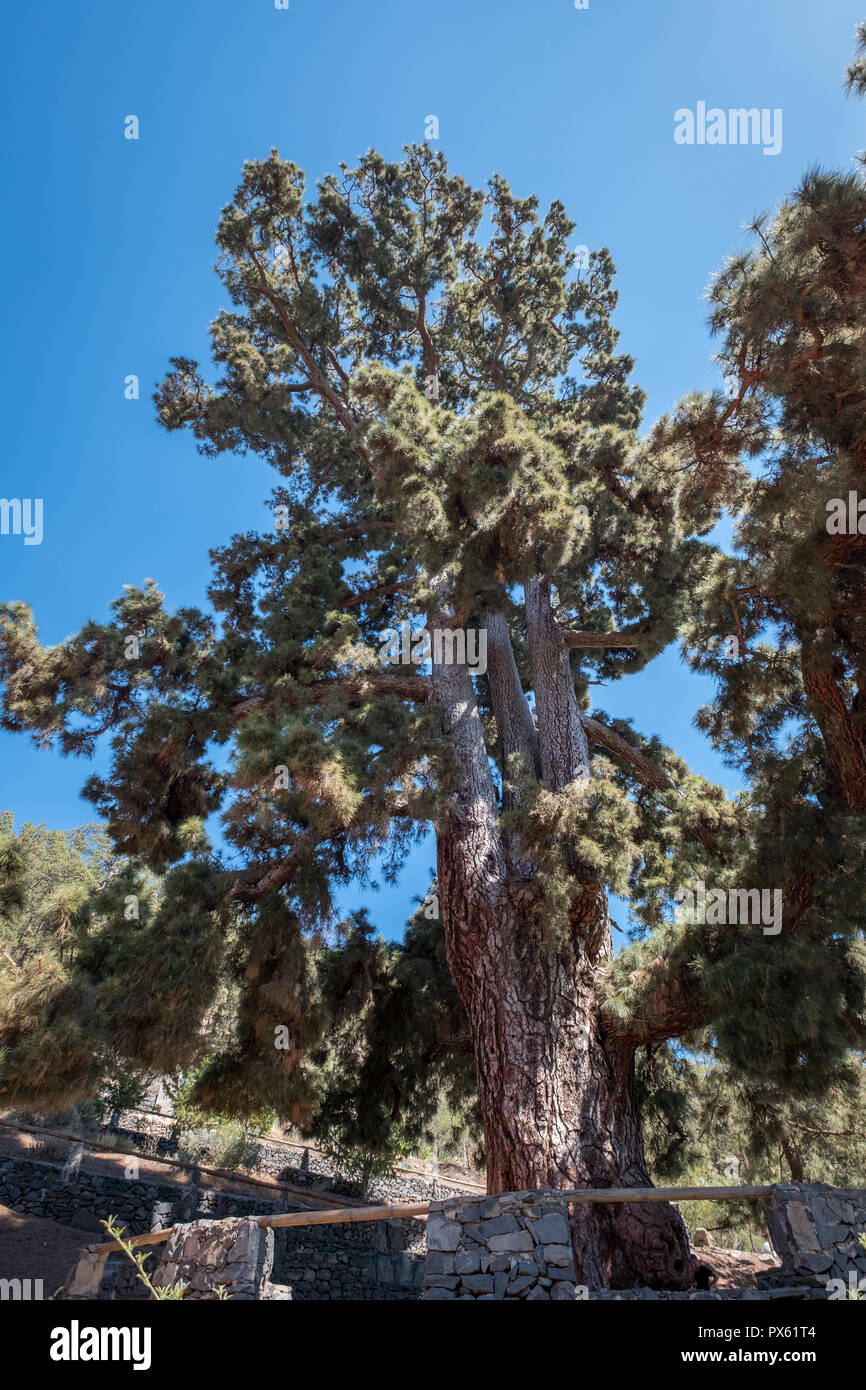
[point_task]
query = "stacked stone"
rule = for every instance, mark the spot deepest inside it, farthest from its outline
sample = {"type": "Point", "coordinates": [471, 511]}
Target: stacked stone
{"type": "Point", "coordinates": [381, 1260]}
{"type": "Point", "coordinates": [42, 1189]}
{"type": "Point", "coordinates": [311, 1169]}
{"type": "Point", "coordinates": [350, 1275]}
{"type": "Point", "coordinates": [815, 1230]}
{"type": "Point", "coordinates": [233, 1256]}
{"type": "Point", "coordinates": [515, 1245]}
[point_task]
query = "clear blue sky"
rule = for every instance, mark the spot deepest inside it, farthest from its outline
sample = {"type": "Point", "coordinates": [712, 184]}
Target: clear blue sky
{"type": "Point", "coordinates": [108, 243]}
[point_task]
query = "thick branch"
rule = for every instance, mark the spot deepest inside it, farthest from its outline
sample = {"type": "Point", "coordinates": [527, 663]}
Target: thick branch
{"type": "Point", "coordinates": [576, 637]}
{"type": "Point", "coordinates": [356, 687]}
{"type": "Point", "coordinates": [677, 1005]}
{"type": "Point", "coordinates": [514, 722]}
{"type": "Point", "coordinates": [648, 771]}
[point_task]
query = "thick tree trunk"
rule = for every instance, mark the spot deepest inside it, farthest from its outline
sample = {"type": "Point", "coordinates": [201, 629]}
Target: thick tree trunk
{"type": "Point", "coordinates": [555, 1084]}
{"type": "Point", "coordinates": [555, 1081]}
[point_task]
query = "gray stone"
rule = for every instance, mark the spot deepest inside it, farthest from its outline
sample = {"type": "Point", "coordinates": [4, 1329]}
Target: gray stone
{"type": "Point", "coordinates": [441, 1234]}
{"type": "Point", "coordinates": [520, 1240]}
{"type": "Point", "coordinates": [478, 1283]}
{"type": "Point", "coordinates": [443, 1262]}
{"type": "Point", "coordinates": [464, 1262]}
{"type": "Point", "coordinates": [559, 1255]}
{"type": "Point", "coordinates": [818, 1264]}
{"type": "Point", "coordinates": [519, 1286]}
{"type": "Point", "coordinates": [537, 1294]}
{"type": "Point", "coordinates": [499, 1226]}
{"type": "Point", "coordinates": [552, 1229]}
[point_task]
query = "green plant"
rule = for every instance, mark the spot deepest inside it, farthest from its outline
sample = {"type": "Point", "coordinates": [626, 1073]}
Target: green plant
{"type": "Point", "coordinates": [138, 1258]}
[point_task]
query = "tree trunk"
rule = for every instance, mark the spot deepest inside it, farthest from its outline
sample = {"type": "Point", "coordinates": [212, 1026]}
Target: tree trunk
{"type": "Point", "coordinates": [555, 1081]}
{"type": "Point", "coordinates": [791, 1150]}
{"type": "Point", "coordinates": [555, 1084]}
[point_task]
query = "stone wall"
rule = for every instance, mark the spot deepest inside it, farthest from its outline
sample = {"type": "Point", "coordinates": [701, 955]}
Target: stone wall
{"type": "Point", "coordinates": [300, 1166]}
{"type": "Point", "coordinates": [370, 1260]}
{"type": "Point", "coordinates": [234, 1257]}
{"type": "Point", "coordinates": [815, 1230]}
{"type": "Point", "coordinates": [516, 1245]}
{"type": "Point", "coordinates": [81, 1198]}
{"type": "Point", "coordinates": [374, 1260]}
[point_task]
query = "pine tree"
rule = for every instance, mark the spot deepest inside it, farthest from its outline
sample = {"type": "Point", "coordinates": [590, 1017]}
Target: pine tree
{"type": "Point", "coordinates": [436, 382]}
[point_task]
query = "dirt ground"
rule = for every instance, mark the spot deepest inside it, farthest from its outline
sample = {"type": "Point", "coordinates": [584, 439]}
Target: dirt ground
{"type": "Point", "coordinates": [33, 1248]}
{"type": "Point", "coordinates": [734, 1269]}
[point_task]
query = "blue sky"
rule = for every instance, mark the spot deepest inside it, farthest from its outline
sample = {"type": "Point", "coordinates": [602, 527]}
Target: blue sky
{"type": "Point", "coordinates": [108, 243]}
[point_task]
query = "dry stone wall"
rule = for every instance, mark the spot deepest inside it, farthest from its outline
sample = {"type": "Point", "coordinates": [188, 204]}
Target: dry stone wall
{"type": "Point", "coordinates": [80, 1198]}
{"type": "Point", "coordinates": [513, 1246]}
{"type": "Point", "coordinates": [816, 1230]}
{"type": "Point", "coordinates": [305, 1167]}
{"type": "Point", "coordinates": [370, 1260]}
{"type": "Point", "coordinates": [376, 1260]}
{"type": "Point", "coordinates": [234, 1257]}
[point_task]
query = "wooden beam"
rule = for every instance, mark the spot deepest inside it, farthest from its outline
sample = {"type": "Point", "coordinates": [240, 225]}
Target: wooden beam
{"type": "Point", "coordinates": [398, 1211]}
{"type": "Point", "coordinates": [665, 1194]}
{"type": "Point", "coordinates": [326, 1218]}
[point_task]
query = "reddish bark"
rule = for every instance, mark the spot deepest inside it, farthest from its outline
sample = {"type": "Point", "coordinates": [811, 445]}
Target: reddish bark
{"type": "Point", "coordinates": [555, 1078]}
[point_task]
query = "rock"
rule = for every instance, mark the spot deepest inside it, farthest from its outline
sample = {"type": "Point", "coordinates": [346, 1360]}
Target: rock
{"type": "Point", "coordinates": [817, 1264]}
{"type": "Point", "coordinates": [559, 1255]}
{"type": "Point", "coordinates": [552, 1229]}
{"type": "Point", "coordinates": [479, 1283]}
{"type": "Point", "coordinates": [701, 1238]}
{"type": "Point", "coordinates": [521, 1240]}
{"type": "Point", "coordinates": [519, 1286]}
{"type": "Point", "coordinates": [498, 1226]}
{"type": "Point", "coordinates": [467, 1262]}
{"type": "Point", "coordinates": [441, 1234]}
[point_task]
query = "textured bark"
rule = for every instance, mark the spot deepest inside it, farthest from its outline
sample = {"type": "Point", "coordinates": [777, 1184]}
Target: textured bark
{"type": "Point", "coordinates": [561, 735]}
{"type": "Point", "coordinates": [555, 1081]}
{"type": "Point", "coordinates": [794, 1158]}
{"type": "Point", "coordinates": [514, 723]}
{"type": "Point", "coordinates": [842, 734]}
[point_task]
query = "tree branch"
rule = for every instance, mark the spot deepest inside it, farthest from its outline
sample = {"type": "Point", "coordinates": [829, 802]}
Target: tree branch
{"type": "Point", "coordinates": [605, 737]}
{"type": "Point", "coordinates": [578, 637]}
{"type": "Point", "coordinates": [356, 687]}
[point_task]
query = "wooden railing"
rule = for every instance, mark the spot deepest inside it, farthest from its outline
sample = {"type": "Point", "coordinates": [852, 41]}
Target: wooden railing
{"type": "Point", "coordinates": [401, 1210]}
